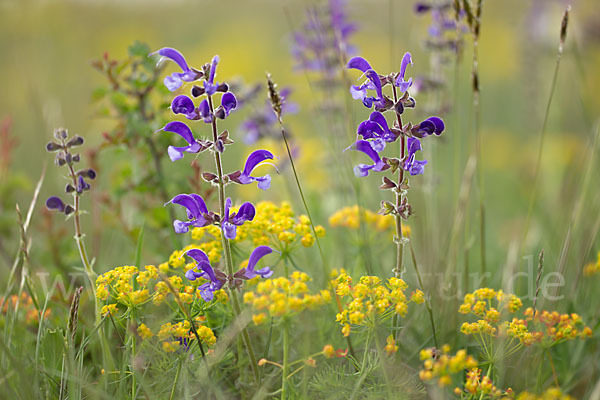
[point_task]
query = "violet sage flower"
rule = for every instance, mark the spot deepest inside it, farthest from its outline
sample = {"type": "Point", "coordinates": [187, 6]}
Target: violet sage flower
{"type": "Point", "coordinates": [197, 212]}
{"type": "Point", "coordinates": [431, 126]}
{"type": "Point", "coordinates": [250, 272]}
{"type": "Point", "coordinates": [362, 170]}
{"type": "Point", "coordinates": [400, 83]}
{"type": "Point", "coordinates": [376, 131]}
{"type": "Point", "coordinates": [230, 222]}
{"type": "Point", "coordinates": [176, 153]}
{"type": "Point", "coordinates": [176, 79]}
{"type": "Point", "coordinates": [413, 166]}
{"type": "Point", "coordinates": [210, 87]}
{"type": "Point", "coordinates": [254, 159]}
{"type": "Point", "coordinates": [373, 82]}
{"type": "Point", "coordinates": [204, 270]}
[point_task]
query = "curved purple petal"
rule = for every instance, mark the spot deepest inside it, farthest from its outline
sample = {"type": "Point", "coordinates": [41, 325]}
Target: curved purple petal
{"type": "Point", "coordinates": [173, 55]}
{"type": "Point", "coordinates": [200, 201]}
{"type": "Point", "coordinates": [181, 129]}
{"type": "Point", "coordinates": [213, 69]}
{"type": "Point", "coordinates": [182, 226]}
{"type": "Point", "coordinates": [245, 213]}
{"type": "Point", "coordinates": [204, 111]}
{"type": "Point", "coordinates": [226, 211]}
{"type": "Point", "coordinates": [198, 255]}
{"type": "Point", "coordinates": [256, 255]}
{"type": "Point", "coordinates": [229, 230]}
{"type": "Point", "coordinates": [406, 59]}
{"type": "Point", "coordinates": [189, 203]}
{"type": "Point", "coordinates": [183, 105]}
{"type": "Point", "coordinates": [413, 145]}
{"type": "Point", "coordinates": [439, 124]}
{"type": "Point", "coordinates": [229, 102]}
{"type": "Point", "coordinates": [358, 63]}
{"type": "Point", "coordinates": [254, 159]}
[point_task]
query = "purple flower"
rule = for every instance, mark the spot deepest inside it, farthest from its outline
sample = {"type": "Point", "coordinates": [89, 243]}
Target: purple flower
{"type": "Point", "coordinates": [203, 269]}
{"type": "Point", "coordinates": [196, 212]}
{"type": "Point", "coordinates": [400, 82]}
{"type": "Point", "coordinates": [204, 111]}
{"type": "Point", "coordinates": [362, 170]}
{"type": "Point", "coordinates": [255, 158]}
{"type": "Point", "coordinates": [264, 123]}
{"type": "Point", "coordinates": [176, 153]}
{"type": "Point", "coordinates": [184, 105]}
{"type": "Point", "coordinates": [230, 222]}
{"type": "Point", "coordinates": [431, 126]}
{"type": "Point", "coordinates": [82, 185]}
{"type": "Point", "coordinates": [176, 79]}
{"type": "Point", "coordinates": [210, 86]}
{"type": "Point", "coordinates": [376, 130]}
{"type": "Point", "coordinates": [413, 166]}
{"type": "Point", "coordinates": [249, 272]}
{"type": "Point", "coordinates": [228, 104]}
{"type": "Point", "coordinates": [373, 82]}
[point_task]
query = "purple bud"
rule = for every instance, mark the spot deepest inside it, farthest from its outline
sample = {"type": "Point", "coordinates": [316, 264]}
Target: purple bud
{"type": "Point", "coordinates": [75, 141]}
{"type": "Point", "coordinates": [69, 188]}
{"type": "Point", "coordinates": [220, 146]}
{"type": "Point", "coordinates": [75, 158]}
{"type": "Point", "coordinates": [223, 87]}
{"type": "Point", "coordinates": [53, 146]}
{"type": "Point", "coordinates": [55, 203]}
{"type": "Point", "coordinates": [68, 209]}
{"type": "Point", "coordinates": [197, 91]}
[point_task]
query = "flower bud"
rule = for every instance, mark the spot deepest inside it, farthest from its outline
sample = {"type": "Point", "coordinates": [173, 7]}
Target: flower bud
{"type": "Point", "coordinates": [75, 141]}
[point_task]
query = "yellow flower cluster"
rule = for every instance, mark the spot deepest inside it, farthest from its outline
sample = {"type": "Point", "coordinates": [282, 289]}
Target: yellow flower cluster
{"type": "Point", "coordinates": [488, 305]}
{"type": "Point", "coordinates": [179, 334]}
{"type": "Point", "coordinates": [482, 386]}
{"type": "Point", "coordinates": [25, 305]}
{"type": "Point", "coordinates": [119, 283]}
{"type": "Point", "coordinates": [272, 225]}
{"type": "Point", "coordinates": [390, 347]}
{"type": "Point", "coordinates": [441, 365]}
{"type": "Point", "coordinates": [559, 327]}
{"type": "Point", "coordinates": [130, 287]}
{"type": "Point", "coordinates": [284, 297]}
{"type": "Point", "coordinates": [592, 268]}
{"type": "Point", "coordinates": [350, 217]}
{"type": "Point", "coordinates": [549, 394]}
{"type": "Point", "coordinates": [370, 298]}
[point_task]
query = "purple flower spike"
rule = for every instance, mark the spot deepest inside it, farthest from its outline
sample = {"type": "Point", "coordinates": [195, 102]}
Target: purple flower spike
{"type": "Point", "coordinates": [176, 79]}
{"type": "Point", "coordinates": [255, 158]}
{"type": "Point", "coordinates": [176, 153]}
{"type": "Point", "coordinates": [204, 270]}
{"type": "Point", "coordinates": [209, 85]}
{"type": "Point", "coordinates": [362, 170]}
{"type": "Point", "coordinates": [413, 166]}
{"type": "Point", "coordinates": [231, 222]}
{"type": "Point", "coordinates": [184, 105]}
{"type": "Point", "coordinates": [256, 255]}
{"type": "Point", "coordinates": [400, 82]}
{"type": "Point", "coordinates": [55, 203]}
{"type": "Point", "coordinates": [196, 212]}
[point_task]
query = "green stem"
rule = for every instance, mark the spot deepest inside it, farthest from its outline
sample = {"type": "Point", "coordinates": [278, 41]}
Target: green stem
{"type": "Point", "coordinates": [312, 225]}
{"type": "Point", "coordinates": [133, 382]}
{"type": "Point", "coordinates": [427, 300]}
{"type": "Point", "coordinates": [284, 374]}
{"type": "Point", "coordinates": [227, 250]}
{"type": "Point", "coordinates": [172, 396]}
{"type": "Point", "coordinates": [363, 366]}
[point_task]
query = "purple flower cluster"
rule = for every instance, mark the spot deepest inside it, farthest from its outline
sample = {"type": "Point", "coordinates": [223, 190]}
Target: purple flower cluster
{"type": "Point", "coordinates": [445, 29]}
{"type": "Point", "coordinates": [323, 40]}
{"type": "Point", "coordinates": [198, 214]}
{"type": "Point", "coordinates": [376, 132]}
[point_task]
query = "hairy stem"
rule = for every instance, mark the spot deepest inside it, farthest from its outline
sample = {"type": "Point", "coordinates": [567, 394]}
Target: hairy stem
{"type": "Point", "coordinates": [227, 250]}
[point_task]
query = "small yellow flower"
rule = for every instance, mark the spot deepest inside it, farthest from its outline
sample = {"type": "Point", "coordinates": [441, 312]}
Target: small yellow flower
{"type": "Point", "coordinates": [144, 331]}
